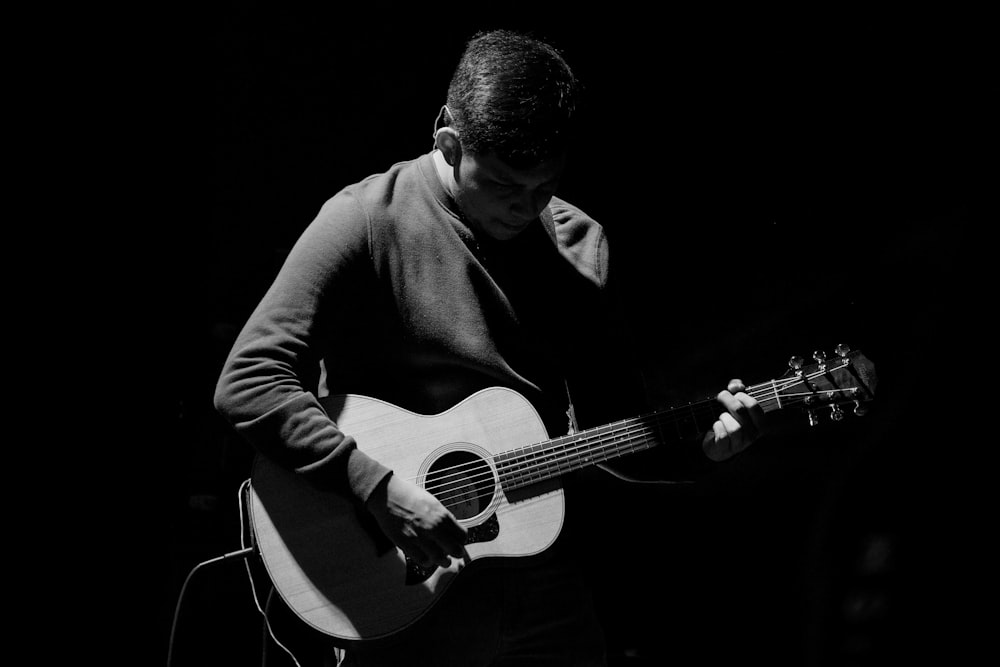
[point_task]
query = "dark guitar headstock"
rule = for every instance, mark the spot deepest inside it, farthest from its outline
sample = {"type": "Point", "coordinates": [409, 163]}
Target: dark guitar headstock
{"type": "Point", "coordinates": [831, 385]}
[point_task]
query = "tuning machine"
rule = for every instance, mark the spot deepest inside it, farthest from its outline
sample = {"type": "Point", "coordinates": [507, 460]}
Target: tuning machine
{"type": "Point", "coordinates": [820, 357]}
{"type": "Point", "coordinates": [796, 363]}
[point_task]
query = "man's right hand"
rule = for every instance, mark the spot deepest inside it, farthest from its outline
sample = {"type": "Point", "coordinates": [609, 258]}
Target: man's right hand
{"type": "Point", "coordinates": [416, 522]}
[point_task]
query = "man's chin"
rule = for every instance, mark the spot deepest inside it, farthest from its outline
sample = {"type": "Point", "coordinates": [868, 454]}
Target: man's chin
{"type": "Point", "coordinates": [498, 229]}
{"type": "Point", "coordinates": [503, 230]}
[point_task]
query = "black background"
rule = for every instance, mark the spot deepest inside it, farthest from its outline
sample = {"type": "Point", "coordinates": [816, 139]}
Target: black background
{"type": "Point", "coordinates": [772, 183]}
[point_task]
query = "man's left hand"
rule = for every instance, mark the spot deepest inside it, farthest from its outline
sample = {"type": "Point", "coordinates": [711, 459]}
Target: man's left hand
{"type": "Point", "coordinates": [740, 425]}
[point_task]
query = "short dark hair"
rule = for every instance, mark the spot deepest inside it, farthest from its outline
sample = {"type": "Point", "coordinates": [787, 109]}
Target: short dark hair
{"type": "Point", "coordinates": [515, 96]}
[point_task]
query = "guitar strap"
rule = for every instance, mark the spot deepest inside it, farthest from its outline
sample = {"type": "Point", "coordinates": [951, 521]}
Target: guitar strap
{"type": "Point", "coordinates": [573, 426]}
{"type": "Point", "coordinates": [549, 224]}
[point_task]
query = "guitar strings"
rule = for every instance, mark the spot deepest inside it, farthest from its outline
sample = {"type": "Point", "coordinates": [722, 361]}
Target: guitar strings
{"type": "Point", "coordinates": [641, 433]}
{"type": "Point", "coordinates": [544, 458]}
{"type": "Point", "coordinates": [557, 459]}
{"type": "Point", "coordinates": [462, 493]}
{"type": "Point", "coordinates": [565, 445]}
{"type": "Point", "coordinates": [641, 439]}
{"type": "Point", "coordinates": [534, 450]}
{"type": "Point", "coordinates": [767, 393]}
{"type": "Point", "coordinates": [645, 438]}
{"type": "Point", "coordinates": [534, 457]}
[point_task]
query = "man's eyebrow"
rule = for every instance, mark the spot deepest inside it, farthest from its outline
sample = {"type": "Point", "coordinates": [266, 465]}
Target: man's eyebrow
{"type": "Point", "coordinates": [503, 180]}
{"type": "Point", "coordinates": [500, 177]}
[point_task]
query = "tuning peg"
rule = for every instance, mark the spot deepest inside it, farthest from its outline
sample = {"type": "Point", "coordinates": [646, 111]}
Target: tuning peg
{"type": "Point", "coordinates": [842, 350]}
{"type": "Point", "coordinates": [796, 363]}
{"type": "Point", "coordinates": [859, 409]}
{"type": "Point", "coordinates": [836, 414]}
{"type": "Point", "coordinates": [820, 357]}
{"type": "Point", "coordinates": [813, 419]}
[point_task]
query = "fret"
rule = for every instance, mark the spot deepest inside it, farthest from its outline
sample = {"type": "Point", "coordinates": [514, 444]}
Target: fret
{"type": "Point", "coordinates": [686, 422]}
{"type": "Point", "coordinates": [777, 394]}
{"type": "Point", "coordinates": [541, 461]}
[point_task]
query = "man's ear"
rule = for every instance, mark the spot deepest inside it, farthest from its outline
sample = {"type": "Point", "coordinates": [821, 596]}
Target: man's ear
{"type": "Point", "coordinates": [446, 141]}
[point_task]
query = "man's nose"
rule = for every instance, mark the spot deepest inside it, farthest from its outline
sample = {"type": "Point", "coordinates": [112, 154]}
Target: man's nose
{"type": "Point", "coordinates": [529, 206]}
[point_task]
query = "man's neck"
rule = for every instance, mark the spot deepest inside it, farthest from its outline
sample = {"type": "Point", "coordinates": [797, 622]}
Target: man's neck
{"type": "Point", "coordinates": [445, 172]}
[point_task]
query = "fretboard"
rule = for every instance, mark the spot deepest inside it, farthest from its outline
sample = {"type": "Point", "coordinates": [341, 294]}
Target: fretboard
{"type": "Point", "coordinates": [839, 381]}
{"type": "Point", "coordinates": [541, 461]}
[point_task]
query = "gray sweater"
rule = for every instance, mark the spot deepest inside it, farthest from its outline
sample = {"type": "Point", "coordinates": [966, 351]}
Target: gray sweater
{"type": "Point", "coordinates": [389, 294]}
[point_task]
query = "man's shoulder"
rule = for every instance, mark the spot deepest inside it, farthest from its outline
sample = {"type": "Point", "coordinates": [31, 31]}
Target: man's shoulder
{"type": "Point", "coordinates": [380, 185]}
{"type": "Point", "coordinates": [402, 192]}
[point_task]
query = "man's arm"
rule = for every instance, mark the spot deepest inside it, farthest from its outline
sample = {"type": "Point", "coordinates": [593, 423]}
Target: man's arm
{"type": "Point", "coordinates": [267, 387]}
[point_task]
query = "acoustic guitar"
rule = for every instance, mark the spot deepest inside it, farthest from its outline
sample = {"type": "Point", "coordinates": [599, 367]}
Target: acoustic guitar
{"type": "Point", "coordinates": [489, 460]}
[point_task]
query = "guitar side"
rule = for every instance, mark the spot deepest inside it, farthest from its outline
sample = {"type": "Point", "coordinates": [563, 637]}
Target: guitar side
{"type": "Point", "coordinates": [326, 558]}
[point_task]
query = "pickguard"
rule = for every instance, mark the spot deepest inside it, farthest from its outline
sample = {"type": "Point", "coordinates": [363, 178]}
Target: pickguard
{"type": "Point", "coordinates": [484, 532]}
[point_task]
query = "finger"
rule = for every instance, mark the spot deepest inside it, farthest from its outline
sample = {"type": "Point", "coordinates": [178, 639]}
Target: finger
{"type": "Point", "coordinates": [415, 552]}
{"type": "Point", "coordinates": [443, 528]}
{"type": "Point", "coordinates": [723, 442]}
{"type": "Point", "coordinates": [434, 552]}
{"type": "Point", "coordinates": [752, 410]}
{"type": "Point", "coordinates": [734, 433]}
{"type": "Point", "coordinates": [735, 385]}
{"type": "Point", "coordinates": [728, 401]}
{"type": "Point", "coordinates": [451, 536]}
{"type": "Point", "coordinates": [744, 409]}
{"type": "Point", "coordinates": [721, 434]}
{"type": "Point", "coordinates": [730, 425]}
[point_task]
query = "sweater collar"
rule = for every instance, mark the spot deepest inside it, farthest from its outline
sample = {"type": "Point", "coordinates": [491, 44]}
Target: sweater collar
{"type": "Point", "coordinates": [443, 197]}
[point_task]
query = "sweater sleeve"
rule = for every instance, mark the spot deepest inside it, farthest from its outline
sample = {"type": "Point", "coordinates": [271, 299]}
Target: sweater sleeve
{"type": "Point", "coordinates": [266, 389]}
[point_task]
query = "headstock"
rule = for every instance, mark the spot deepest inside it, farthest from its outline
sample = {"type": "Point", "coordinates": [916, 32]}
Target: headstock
{"type": "Point", "coordinates": [830, 384]}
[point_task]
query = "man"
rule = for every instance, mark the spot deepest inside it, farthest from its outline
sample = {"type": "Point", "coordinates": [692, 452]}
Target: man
{"type": "Point", "coordinates": [445, 275]}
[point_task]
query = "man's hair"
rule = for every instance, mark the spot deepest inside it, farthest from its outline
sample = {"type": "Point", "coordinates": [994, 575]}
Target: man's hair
{"type": "Point", "coordinates": [514, 96]}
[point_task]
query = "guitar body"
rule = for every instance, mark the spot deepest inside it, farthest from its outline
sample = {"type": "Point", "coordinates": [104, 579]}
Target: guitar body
{"type": "Point", "coordinates": [327, 559]}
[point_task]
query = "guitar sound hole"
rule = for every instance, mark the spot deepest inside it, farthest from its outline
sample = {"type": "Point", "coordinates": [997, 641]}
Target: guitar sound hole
{"type": "Point", "coordinates": [462, 481]}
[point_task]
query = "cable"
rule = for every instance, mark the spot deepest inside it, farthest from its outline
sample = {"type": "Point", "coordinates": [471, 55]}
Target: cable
{"type": "Point", "coordinates": [180, 598]}
{"type": "Point", "coordinates": [244, 487]}
{"type": "Point", "coordinates": [243, 552]}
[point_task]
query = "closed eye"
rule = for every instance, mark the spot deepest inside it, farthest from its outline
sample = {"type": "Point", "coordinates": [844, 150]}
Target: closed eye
{"type": "Point", "coordinates": [505, 190]}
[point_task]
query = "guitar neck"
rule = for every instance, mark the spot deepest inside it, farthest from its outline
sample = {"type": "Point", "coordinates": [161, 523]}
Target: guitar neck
{"type": "Point", "coordinates": [541, 461]}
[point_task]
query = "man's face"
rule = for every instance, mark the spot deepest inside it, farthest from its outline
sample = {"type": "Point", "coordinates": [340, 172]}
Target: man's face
{"type": "Point", "coordinates": [501, 201]}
